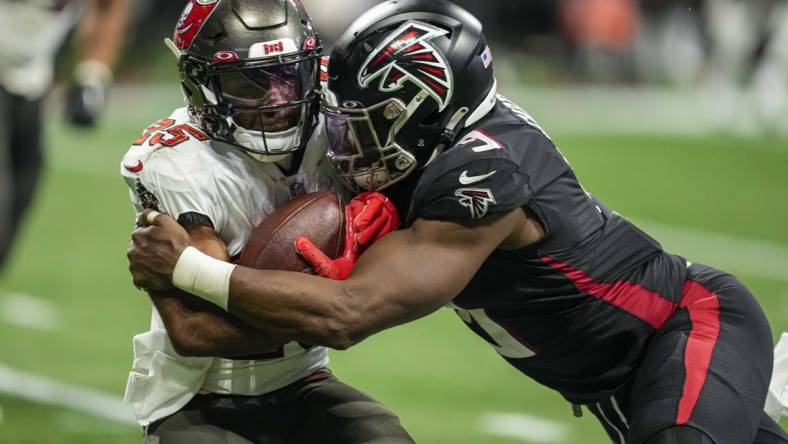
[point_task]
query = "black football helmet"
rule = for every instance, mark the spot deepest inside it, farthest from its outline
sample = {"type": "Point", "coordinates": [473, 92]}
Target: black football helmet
{"type": "Point", "coordinates": [403, 80]}
{"type": "Point", "coordinates": [250, 72]}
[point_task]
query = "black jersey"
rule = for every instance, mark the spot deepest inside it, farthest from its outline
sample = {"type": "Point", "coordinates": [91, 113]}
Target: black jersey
{"type": "Point", "coordinates": [576, 311]}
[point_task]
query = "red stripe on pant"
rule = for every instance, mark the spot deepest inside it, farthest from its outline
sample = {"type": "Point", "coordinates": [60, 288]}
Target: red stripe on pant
{"type": "Point", "coordinates": [703, 307]}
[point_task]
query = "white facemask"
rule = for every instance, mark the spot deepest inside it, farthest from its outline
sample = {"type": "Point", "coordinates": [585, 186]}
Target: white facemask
{"type": "Point", "coordinates": [280, 144]}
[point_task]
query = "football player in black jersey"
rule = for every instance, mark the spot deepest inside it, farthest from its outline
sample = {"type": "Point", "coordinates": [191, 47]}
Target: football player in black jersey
{"type": "Point", "coordinates": [498, 228]}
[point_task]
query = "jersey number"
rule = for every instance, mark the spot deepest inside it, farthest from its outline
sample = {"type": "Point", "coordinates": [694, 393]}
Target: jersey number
{"type": "Point", "coordinates": [504, 343]}
{"type": "Point", "coordinates": [167, 134]}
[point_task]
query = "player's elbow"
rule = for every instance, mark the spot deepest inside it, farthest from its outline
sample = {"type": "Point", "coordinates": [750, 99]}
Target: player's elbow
{"type": "Point", "coordinates": [188, 342]}
{"type": "Point", "coordinates": [339, 341]}
{"type": "Point", "coordinates": [344, 339]}
{"type": "Point", "coordinates": [344, 328]}
{"type": "Point", "coordinates": [189, 349]}
{"type": "Point", "coordinates": [337, 333]}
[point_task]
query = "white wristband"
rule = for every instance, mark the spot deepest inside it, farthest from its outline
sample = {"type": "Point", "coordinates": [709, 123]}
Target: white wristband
{"type": "Point", "coordinates": [203, 276]}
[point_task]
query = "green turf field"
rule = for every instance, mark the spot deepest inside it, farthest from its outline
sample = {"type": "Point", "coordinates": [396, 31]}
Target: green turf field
{"type": "Point", "coordinates": [720, 200]}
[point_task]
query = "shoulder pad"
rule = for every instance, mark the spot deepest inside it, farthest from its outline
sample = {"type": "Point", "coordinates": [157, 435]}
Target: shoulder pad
{"type": "Point", "coordinates": [494, 168]}
{"type": "Point", "coordinates": [171, 132]}
{"type": "Point", "coordinates": [177, 132]}
{"type": "Point", "coordinates": [462, 187]}
{"type": "Point", "coordinates": [173, 166]}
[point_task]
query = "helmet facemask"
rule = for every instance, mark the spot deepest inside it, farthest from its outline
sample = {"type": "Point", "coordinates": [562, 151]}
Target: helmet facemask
{"type": "Point", "coordinates": [362, 143]}
{"type": "Point", "coordinates": [431, 60]}
{"type": "Point", "coordinates": [265, 107]}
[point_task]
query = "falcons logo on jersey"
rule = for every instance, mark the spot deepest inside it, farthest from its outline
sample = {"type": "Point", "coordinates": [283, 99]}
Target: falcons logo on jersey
{"type": "Point", "coordinates": [407, 54]}
{"type": "Point", "coordinates": [478, 200]}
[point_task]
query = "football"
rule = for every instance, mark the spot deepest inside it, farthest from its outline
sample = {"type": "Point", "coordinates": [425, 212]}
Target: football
{"type": "Point", "coordinates": [317, 216]}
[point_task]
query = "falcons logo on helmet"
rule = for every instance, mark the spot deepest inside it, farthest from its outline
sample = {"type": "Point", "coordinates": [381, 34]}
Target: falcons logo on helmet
{"type": "Point", "coordinates": [407, 54]}
{"type": "Point", "coordinates": [478, 200]}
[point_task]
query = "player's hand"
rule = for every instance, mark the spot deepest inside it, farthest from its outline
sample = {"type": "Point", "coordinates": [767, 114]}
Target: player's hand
{"type": "Point", "coordinates": [87, 96]}
{"type": "Point", "coordinates": [155, 249]}
{"type": "Point", "coordinates": [368, 217]}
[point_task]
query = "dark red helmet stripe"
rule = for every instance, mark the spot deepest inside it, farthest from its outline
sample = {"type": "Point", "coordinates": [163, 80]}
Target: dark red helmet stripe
{"type": "Point", "coordinates": [439, 73]}
{"type": "Point", "coordinates": [393, 77]}
{"type": "Point", "coordinates": [192, 19]}
{"type": "Point", "coordinates": [414, 48]}
{"type": "Point", "coordinates": [438, 89]}
{"type": "Point", "coordinates": [394, 47]}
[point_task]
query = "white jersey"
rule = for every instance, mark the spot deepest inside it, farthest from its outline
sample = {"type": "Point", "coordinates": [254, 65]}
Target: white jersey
{"type": "Point", "coordinates": [175, 168]}
{"type": "Point", "coordinates": [31, 32]}
{"type": "Point", "coordinates": [777, 398]}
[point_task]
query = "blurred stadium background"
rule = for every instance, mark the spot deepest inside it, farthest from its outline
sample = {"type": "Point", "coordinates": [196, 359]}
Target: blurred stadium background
{"type": "Point", "coordinates": [672, 112]}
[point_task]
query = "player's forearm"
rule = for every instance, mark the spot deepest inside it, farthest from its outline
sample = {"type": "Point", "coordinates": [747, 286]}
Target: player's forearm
{"type": "Point", "coordinates": [396, 281]}
{"type": "Point", "coordinates": [196, 329]}
{"type": "Point", "coordinates": [296, 306]}
{"type": "Point", "coordinates": [101, 32]}
{"type": "Point", "coordinates": [404, 276]}
{"type": "Point", "coordinates": [399, 279]}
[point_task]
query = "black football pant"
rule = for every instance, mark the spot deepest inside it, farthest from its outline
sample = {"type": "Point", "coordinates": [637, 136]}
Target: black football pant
{"type": "Point", "coordinates": [21, 160]}
{"type": "Point", "coordinates": [316, 410]}
{"type": "Point", "coordinates": [708, 368]}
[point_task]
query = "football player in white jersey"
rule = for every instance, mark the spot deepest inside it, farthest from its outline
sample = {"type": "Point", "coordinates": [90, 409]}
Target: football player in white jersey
{"type": "Point", "coordinates": [31, 33]}
{"type": "Point", "coordinates": [248, 142]}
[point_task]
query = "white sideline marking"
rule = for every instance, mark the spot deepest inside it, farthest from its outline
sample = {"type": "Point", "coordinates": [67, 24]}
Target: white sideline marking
{"type": "Point", "coordinates": [47, 391]}
{"type": "Point", "coordinates": [525, 427]}
{"type": "Point", "coordinates": [29, 312]}
{"type": "Point", "coordinates": [738, 255]}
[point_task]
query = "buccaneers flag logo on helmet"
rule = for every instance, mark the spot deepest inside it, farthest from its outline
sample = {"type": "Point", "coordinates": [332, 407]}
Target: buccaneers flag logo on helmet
{"type": "Point", "coordinates": [192, 18]}
{"type": "Point", "coordinates": [408, 55]}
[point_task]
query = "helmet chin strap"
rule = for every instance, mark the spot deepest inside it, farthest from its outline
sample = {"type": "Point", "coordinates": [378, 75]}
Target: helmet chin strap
{"type": "Point", "coordinates": [279, 144]}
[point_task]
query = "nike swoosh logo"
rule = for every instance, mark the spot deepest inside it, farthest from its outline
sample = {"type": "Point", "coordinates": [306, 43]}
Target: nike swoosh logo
{"type": "Point", "coordinates": [470, 180]}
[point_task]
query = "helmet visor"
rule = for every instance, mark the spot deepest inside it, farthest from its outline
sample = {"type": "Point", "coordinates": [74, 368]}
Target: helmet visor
{"type": "Point", "coordinates": [355, 132]}
{"type": "Point", "coordinates": [268, 98]}
{"type": "Point", "coordinates": [269, 119]}
{"type": "Point", "coordinates": [348, 136]}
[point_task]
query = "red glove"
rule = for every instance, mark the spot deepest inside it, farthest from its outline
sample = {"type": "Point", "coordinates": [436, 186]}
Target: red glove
{"type": "Point", "coordinates": [368, 217]}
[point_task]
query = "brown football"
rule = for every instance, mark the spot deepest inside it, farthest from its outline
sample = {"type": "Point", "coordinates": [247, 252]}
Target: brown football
{"type": "Point", "coordinates": [318, 216]}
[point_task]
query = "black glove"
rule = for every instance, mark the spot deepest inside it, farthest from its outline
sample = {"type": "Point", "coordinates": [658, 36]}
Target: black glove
{"type": "Point", "coordinates": [87, 96]}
